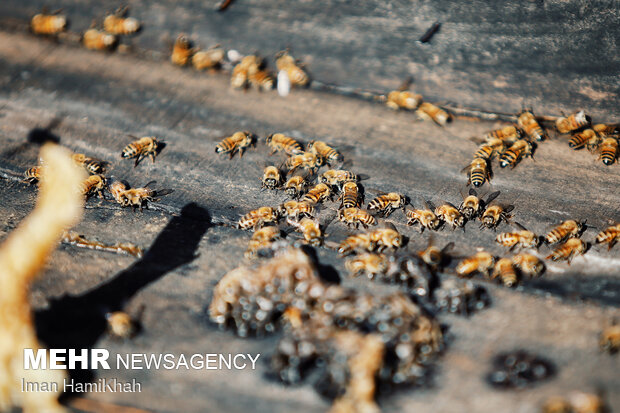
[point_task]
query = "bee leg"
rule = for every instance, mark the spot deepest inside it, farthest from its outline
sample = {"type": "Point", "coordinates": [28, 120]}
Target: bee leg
{"type": "Point", "coordinates": [152, 156]}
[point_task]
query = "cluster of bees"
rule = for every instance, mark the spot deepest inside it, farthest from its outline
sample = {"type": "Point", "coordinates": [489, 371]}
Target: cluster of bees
{"type": "Point", "coordinates": [406, 100]}
{"type": "Point", "coordinates": [601, 138]}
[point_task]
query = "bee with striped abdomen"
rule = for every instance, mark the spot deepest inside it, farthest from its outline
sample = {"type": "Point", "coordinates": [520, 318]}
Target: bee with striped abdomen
{"type": "Point", "coordinates": [182, 51]}
{"type": "Point", "coordinates": [261, 79]}
{"type": "Point", "coordinates": [140, 197]}
{"type": "Point", "coordinates": [271, 177]}
{"type": "Point", "coordinates": [237, 142]}
{"type": "Point", "coordinates": [370, 264]}
{"type": "Point", "coordinates": [94, 184]}
{"type": "Point", "coordinates": [386, 203]}
{"type": "Point", "coordinates": [428, 111]}
{"type": "Point", "coordinates": [508, 135]}
{"type": "Point", "coordinates": [247, 66]}
{"type": "Point", "coordinates": [605, 130]}
{"type": "Point", "coordinates": [478, 172]}
{"type": "Point", "coordinates": [569, 250]}
{"type": "Point", "coordinates": [505, 271]}
{"type": "Point", "coordinates": [117, 188]}
{"type": "Point", "coordinates": [95, 39]}
{"type": "Point", "coordinates": [208, 59]}
{"type": "Point", "coordinates": [93, 166]}
{"type": "Point", "coordinates": [48, 24]}
{"type": "Point", "coordinates": [481, 262]}
{"type": "Point", "coordinates": [403, 99]}
{"type": "Point", "coordinates": [262, 239]}
{"type": "Point", "coordinates": [141, 148]}
{"type": "Point", "coordinates": [580, 139]}
{"type": "Point", "coordinates": [450, 214]}
{"type": "Point", "coordinates": [528, 264]}
{"type": "Point", "coordinates": [119, 23]}
{"type": "Point", "coordinates": [425, 217]}
{"type": "Point", "coordinates": [325, 151]}
{"type": "Point", "coordinates": [528, 123]}
{"type": "Point", "coordinates": [280, 142]}
{"type": "Point", "coordinates": [297, 76]}
{"type": "Point", "coordinates": [522, 238]}
{"type": "Point", "coordinates": [310, 229]}
{"type": "Point", "coordinates": [295, 186]}
{"type": "Point", "coordinates": [357, 242]}
{"type": "Point", "coordinates": [317, 193]}
{"type": "Point", "coordinates": [33, 174]}
{"type": "Point", "coordinates": [494, 214]}
{"type": "Point", "coordinates": [295, 209]}
{"type": "Point", "coordinates": [573, 122]}
{"type": "Point", "coordinates": [306, 160]}
{"type": "Point", "coordinates": [337, 177]}
{"type": "Point", "coordinates": [350, 195]}
{"type": "Point", "coordinates": [489, 149]}
{"type": "Point", "coordinates": [472, 206]}
{"type": "Point", "coordinates": [609, 236]}
{"type": "Point", "coordinates": [435, 257]}
{"type": "Point", "coordinates": [567, 229]}
{"type": "Point", "coordinates": [356, 216]}
{"type": "Point", "coordinates": [386, 237]}
{"type": "Point", "coordinates": [609, 340]}
{"type": "Point", "coordinates": [258, 217]}
{"type": "Point", "coordinates": [609, 150]}
{"type": "Point", "coordinates": [513, 155]}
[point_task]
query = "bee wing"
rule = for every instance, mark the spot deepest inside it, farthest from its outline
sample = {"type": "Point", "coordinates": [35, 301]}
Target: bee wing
{"type": "Point", "coordinates": [162, 192]}
{"type": "Point", "coordinates": [429, 204]}
{"type": "Point", "coordinates": [149, 183]}
{"type": "Point", "coordinates": [466, 169]}
{"type": "Point", "coordinates": [387, 225]}
{"type": "Point", "coordinates": [509, 208]}
{"type": "Point", "coordinates": [478, 140]}
{"type": "Point", "coordinates": [521, 227]}
{"type": "Point", "coordinates": [406, 84]}
{"type": "Point", "coordinates": [450, 203]}
{"type": "Point", "coordinates": [473, 192]}
{"type": "Point", "coordinates": [491, 197]}
{"type": "Point", "coordinates": [449, 246]}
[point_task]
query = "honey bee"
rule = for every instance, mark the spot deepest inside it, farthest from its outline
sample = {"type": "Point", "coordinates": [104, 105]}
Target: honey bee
{"type": "Point", "coordinates": [505, 271]}
{"type": "Point", "coordinates": [450, 214]}
{"type": "Point", "coordinates": [141, 148]}
{"type": "Point", "coordinates": [609, 150]}
{"type": "Point", "coordinates": [368, 263]}
{"type": "Point", "coordinates": [350, 196]}
{"type": "Point", "coordinates": [606, 131]}
{"type": "Point", "coordinates": [271, 177]}
{"type": "Point", "coordinates": [425, 217]}
{"type": "Point", "coordinates": [262, 239]}
{"type": "Point", "coordinates": [571, 123]}
{"type": "Point", "coordinates": [337, 177]}
{"type": "Point", "coordinates": [325, 151]}
{"type": "Point", "coordinates": [386, 237]}
{"type": "Point", "coordinates": [182, 51]}
{"type": "Point", "coordinates": [478, 172]}
{"type": "Point", "coordinates": [32, 175]}
{"type": "Point", "coordinates": [120, 324]}
{"type": "Point", "coordinates": [48, 24]}
{"type": "Point", "coordinates": [261, 79]}
{"type": "Point", "coordinates": [258, 217]}
{"type": "Point", "coordinates": [593, 143]}
{"type": "Point", "coordinates": [208, 59]}
{"type": "Point", "coordinates": [403, 99]}
{"type": "Point", "coordinates": [94, 184]}
{"type": "Point", "coordinates": [428, 111]}
{"type": "Point", "coordinates": [309, 228]}
{"type": "Point", "coordinates": [95, 39]}
{"type": "Point", "coordinates": [248, 66]}
{"type": "Point", "coordinates": [317, 193]}
{"type": "Point", "coordinates": [610, 338]}
{"type": "Point", "coordinates": [528, 264]}
{"type": "Point", "coordinates": [489, 149]}
{"type": "Point", "coordinates": [481, 262]}
{"type": "Point", "coordinates": [493, 215]}
{"type": "Point", "coordinates": [279, 142]}
{"type": "Point", "coordinates": [237, 142]}
{"type": "Point", "coordinates": [587, 403]}
{"type": "Point", "coordinates": [508, 135]}
{"type": "Point", "coordinates": [609, 236]}
{"type": "Point", "coordinates": [472, 205]}
{"type": "Point", "coordinates": [579, 140]}
{"type": "Point", "coordinates": [295, 186]}
{"type": "Point", "coordinates": [567, 229]}
{"type": "Point", "coordinates": [117, 188]}
{"type": "Point", "coordinates": [139, 197]}
{"type": "Point", "coordinates": [357, 242]}
{"type": "Point", "coordinates": [528, 123]}
{"type": "Point", "coordinates": [522, 238]}
{"type": "Point", "coordinates": [295, 209]}
{"type": "Point", "coordinates": [569, 250]}
{"type": "Point", "coordinates": [119, 23]}
{"type": "Point", "coordinates": [296, 74]}
{"type": "Point", "coordinates": [92, 165]}
{"type": "Point", "coordinates": [519, 150]}
{"type": "Point", "coordinates": [356, 216]}
{"type": "Point", "coordinates": [386, 203]}
{"type": "Point", "coordinates": [306, 160]}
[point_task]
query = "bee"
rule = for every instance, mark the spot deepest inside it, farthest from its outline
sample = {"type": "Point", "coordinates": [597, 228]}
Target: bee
{"type": "Point", "coordinates": [481, 262]}
{"type": "Point", "coordinates": [528, 123]}
{"type": "Point", "coordinates": [587, 403]}
{"type": "Point", "coordinates": [557, 405]}
{"type": "Point", "coordinates": [32, 175]}
{"type": "Point", "coordinates": [279, 142]}
{"type": "Point", "coordinates": [386, 203]}
{"type": "Point", "coordinates": [337, 177]}
{"type": "Point", "coordinates": [478, 172]}
{"type": "Point", "coordinates": [306, 160]}
{"type": "Point", "coordinates": [567, 229]}
{"type": "Point", "coordinates": [493, 215]}
{"type": "Point", "coordinates": [508, 135]}
{"type": "Point", "coordinates": [357, 242]}
{"type": "Point", "coordinates": [208, 59]}
{"type": "Point", "coordinates": [261, 239]}
{"type": "Point", "coordinates": [610, 338]}
{"type": "Point", "coordinates": [606, 131]}
{"type": "Point", "coordinates": [519, 150]}
{"type": "Point", "coordinates": [261, 79]}
{"type": "Point", "coordinates": [120, 324]}
{"type": "Point", "coordinates": [295, 209]}
{"type": "Point", "coordinates": [139, 197]}
{"type": "Point", "coordinates": [386, 237]}
{"type": "Point", "coordinates": [182, 51]}
{"type": "Point", "coordinates": [573, 122]}
{"type": "Point", "coordinates": [94, 184]}
{"type": "Point", "coordinates": [433, 256]}
{"type": "Point", "coordinates": [425, 217]}
{"type": "Point", "coordinates": [141, 148]}
{"type": "Point", "coordinates": [248, 66]}
{"type": "Point", "coordinates": [317, 193]}
{"type": "Point", "coordinates": [368, 263]}
{"type": "Point", "coordinates": [403, 99]}
{"type": "Point", "coordinates": [296, 74]}
{"type": "Point", "coordinates": [350, 196]}
{"type": "Point", "coordinates": [119, 23]}
{"type": "Point", "coordinates": [295, 186]}
{"type": "Point", "coordinates": [609, 236]}
{"type": "Point", "coordinates": [95, 39]}
{"type": "Point", "coordinates": [428, 111]}
{"type": "Point", "coordinates": [505, 271]}
{"type": "Point", "coordinates": [609, 150]}
{"type": "Point", "coordinates": [522, 238]}
{"type": "Point", "coordinates": [579, 140]}
{"type": "Point", "coordinates": [271, 177]}
{"type": "Point", "coordinates": [450, 214]}
{"type": "Point", "coordinates": [489, 149]}
{"type": "Point", "coordinates": [309, 228]}
{"type": "Point", "coordinates": [237, 142]}
{"type": "Point", "coordinates": [258, 217]}
{"type": "Point", "coordinates": [48, 24]}
{"type": "Point", "coordinates": [325, 151]}
{"type": "Point", "coordinates": [528, 264]}
{"type": "Point", "coordinates": [117, 188]}
{"type": "Point", "coordinates": [92, 165]}
{"type": "Point", "coordinates": [471, 206]}
{"type": "Point", "coordinates": [356, 216]}
{"type": "Point", "coordinates": [569, 250]}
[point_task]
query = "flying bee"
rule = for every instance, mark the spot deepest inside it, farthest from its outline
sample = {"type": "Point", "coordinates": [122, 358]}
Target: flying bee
{"type": "Point", "coordinates": [296, 74]}
{"type": "Point", "coordinates": [271, 177]}
{"type": "Point", "coordinates": [494, 214]}
{"type": "Point", "coordinates": [528, 264]}
{"type": "Point", "coordinates": [325, 151]}
{"type": "Point", "coordinates": [528, 123]}
{"type": "Point", "coordinates": [310, 228]}
{"type": "Point", "coordinates": [428, 111]}
{"type": "Point", "coordinates": [306, 160]}
{"type": "Point", "coordinates": [567, 229]}
{"type": "Point", "coordinates": [140, 197]}
{"type": "Point", "coordinates": [258, 217]}
{"type": "Point", "coordinates": [579, 140]}
{"type": "Point", "coordinates": [141, 148]}
{"type": "Point", "coordinates": [295, 186]}
{"type": "Point", "coordinates": [508, 135]}
{"type": "Point", "coordinates": [481, 262]}
{"type": "Point", "coordinates": [609, 150]}
{"type": "Point", "coordinates": [386, 237]}
{"type": "Point", "coordinates": [119, 23]}
{"type": "Point", "coordinates": [237, 142]}
{"type": "Point", "coordinates": [95, 39]}
{"type": "Point", "coordinates": [386, 203]}
{"type": "Point", "coordinates": [337, 177]}
{"type": "Point", "coordinates": [279, 142]}
{"type": "Point", "coordinates": [182, 51]}
{"type": "Point", "coordinates": [606, 131]}
{"type": "Point", "coordinates": [261, 80]}
{"type": "Point", "coordinates": [569, 250]}
{"type": "Point", "coordinates": [208, 59]}
{"type": "Point", "coordinates": [609, 236]}
{"type": "Point", "coordinates": [357, 242]}
{"type": "Point", "coordinates": [489, 149]}
{"type": "Point", "coordinates": [32, 175]}
{"type": "Point", "coordinates": [262, 239]}
{"type": "Point", "coordinates": [403, 99]}
{"type": "Point", "coordinates": [573, 122]}
{"type": "Point", "coordinates": [425, 217]}
{"type": "Point", "coordinates": [94, 184]}
{"type": "Point", "coordinates": [505, 271]}
{"type": "Point", "coordinates": [350, 196]}
{"type": "Point", "coordinates": [450, 214]}
{"type": "Point", "coordinates": [295, 209]}
{"type": "Point", "coordinates": [609, 340]}
{"type": "Point", "coordinates": [434, 256]}
{"type": "Point", "coordinates": [120, 324]}
{"type": "Point", "coordinates": [519, 150]}
{"type": "Point", "coordinates": [370, 264]}
{"type": "Point", "coordinates": [48, 24]}
{"type": "Point", "coordinates": [317, 193]}
{"type": "Point", "coordinates": [478, 172]}
{"type": "Point", "coordinates": [93, 166]}
{"type": "Point", "coordinates": [356, 216]}
{"type": "Point", "coordinates": [522, 238]}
